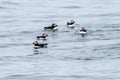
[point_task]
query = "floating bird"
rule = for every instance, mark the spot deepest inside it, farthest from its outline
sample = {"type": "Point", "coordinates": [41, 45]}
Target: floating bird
{"type": "Point", "coordinates": [71, 24]}
{"type": "Point", "coordinates": [83, 31]}
{"type": "Point", "coordinates": [43, 37]}
{"type": "Point", "coordinates": [52, 27]}
{"type": "Point", "coordinates": [40, 45]}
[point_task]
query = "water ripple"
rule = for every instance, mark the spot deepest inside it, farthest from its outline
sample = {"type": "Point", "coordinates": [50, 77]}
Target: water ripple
{"type": "Point", "coordinates": [71, 7]}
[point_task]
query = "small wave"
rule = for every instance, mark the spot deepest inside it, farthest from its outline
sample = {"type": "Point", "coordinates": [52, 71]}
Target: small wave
{"type": "Point", "coordinates": [3, 8]}
{"type": "Point", "coordinates": [36, 20]}
{"type": "Point", "coordinates": [8, 21]}
{"type": "Point", "coordinates": [2, 46]}
{"type": "Point", "coordinates": [48, 77]}
{"type": "Point", "coordinates": [71, 7]}
{"type": "Point", "coordinates": [10, 3]}
{"type": "Point", "coordinates": [25, 32]}
{"type": "Point", "coordinates": [83, 58]}
{"type": "Point", "coordinates": [15, 58]}
{"type": "Point", "coordinates": [2, 36]}
{"type": "Point", "coordinates": [11, 77]}
{"type": "Point", "coordinates": [102, 15]}
{"type": "Point", "coordinates": [13, 44]}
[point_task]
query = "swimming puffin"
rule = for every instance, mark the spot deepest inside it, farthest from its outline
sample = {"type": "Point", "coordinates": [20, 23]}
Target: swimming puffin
{"type": "Point", "coordinates": [71, 24]}
{"type": "Point", "coordinates": [83, 31]}
{"type": "Point", "coordinates": [41, 45]}
{"type": "Point", "coordinates": [43, 37]}
{"type": "Point", "coordinates": [52, 27]}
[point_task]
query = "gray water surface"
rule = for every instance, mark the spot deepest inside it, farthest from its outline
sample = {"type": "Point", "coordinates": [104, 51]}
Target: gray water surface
{"type": "Point", "coordinates": [68, 56]}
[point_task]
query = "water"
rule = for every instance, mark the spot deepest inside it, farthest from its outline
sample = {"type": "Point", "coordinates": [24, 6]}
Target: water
{"type": "Point", "coordinates": [68, 56]}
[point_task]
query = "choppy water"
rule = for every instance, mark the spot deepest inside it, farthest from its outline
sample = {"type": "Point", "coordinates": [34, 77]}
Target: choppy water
{"type": "Point", "coordinates": [68, 56]}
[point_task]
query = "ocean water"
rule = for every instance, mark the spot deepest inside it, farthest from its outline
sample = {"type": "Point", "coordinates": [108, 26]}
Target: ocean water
{"type": "Point", "coordinates": [96, 56]}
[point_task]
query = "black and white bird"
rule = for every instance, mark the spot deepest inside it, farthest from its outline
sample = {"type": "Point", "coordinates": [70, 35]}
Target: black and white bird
{"type": "Point", "coordinates": [52, 27]}
{"type": "Point", "coordinates": [43, 37]}
{"type": "Point", "coordinates": [39, 45]}
{"type": "Point", "coordinates": [71, 24]}
{"type": "Point", "coordinates": [83, 31]}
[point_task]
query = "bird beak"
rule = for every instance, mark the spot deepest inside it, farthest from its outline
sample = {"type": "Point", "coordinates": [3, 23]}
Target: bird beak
{"type": "Point", "coordinates": [33, 42]}
{"type": "Point", "coordinates": [46, 34]}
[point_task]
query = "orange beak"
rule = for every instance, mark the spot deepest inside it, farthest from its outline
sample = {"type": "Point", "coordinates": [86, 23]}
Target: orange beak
{"type": "Point", "coordinates": [33, 42]}
{"type": "Point", "coordinates": [46, 35]}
